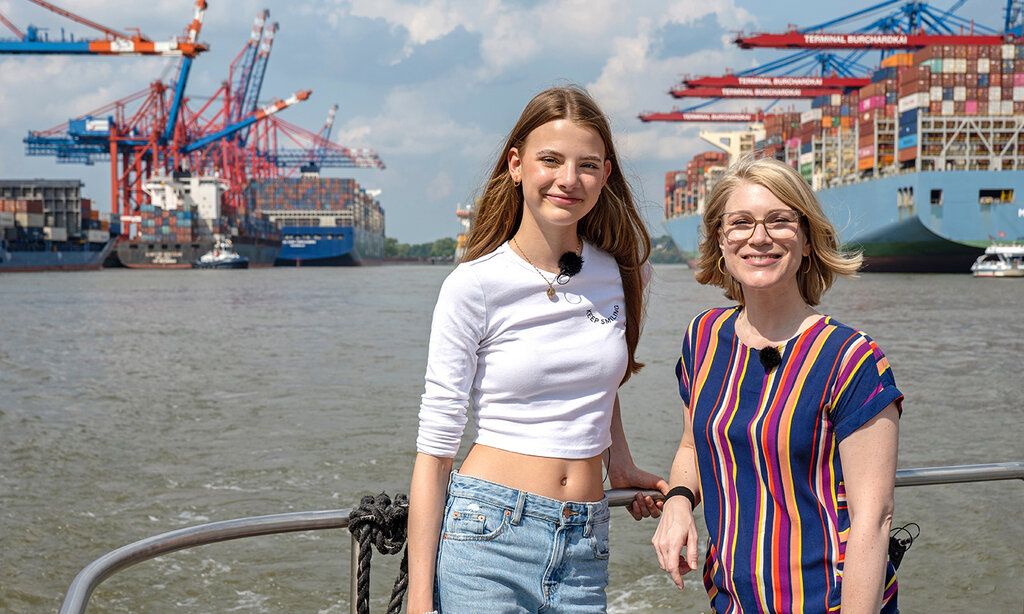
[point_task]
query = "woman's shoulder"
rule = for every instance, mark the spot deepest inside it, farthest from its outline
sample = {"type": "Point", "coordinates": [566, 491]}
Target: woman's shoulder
{"type": "Point", "coordinates": [476, 277]}
{"type": "Point", "coordinates": [707, 320]}
{"type": "Point", "coordinates": [713, 314]}
{"type": "Point", "coordinates": [854, 343]}
{"type": "Point", "coordinates": [846, 331]}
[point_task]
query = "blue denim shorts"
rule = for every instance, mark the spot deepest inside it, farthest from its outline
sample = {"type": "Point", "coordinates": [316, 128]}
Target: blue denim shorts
{"type": "Point", "coordinates": [510, 551]}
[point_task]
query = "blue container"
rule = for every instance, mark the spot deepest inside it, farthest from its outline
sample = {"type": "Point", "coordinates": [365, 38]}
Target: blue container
{"type": "Point", "coordinates": [883, 73]}
{"type": "Point", "coordinates": [908, 121]}
{"type": "Point", "coordinates": [907, 141]}
{"type": "Point", "coordinates": [983, 80]}
{"type": "Point", "coordinates": [947, 93]}
{"type": "Point", "coordinates": [806, 147]}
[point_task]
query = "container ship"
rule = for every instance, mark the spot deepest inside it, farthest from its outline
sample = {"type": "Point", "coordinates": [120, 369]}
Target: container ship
{"type": "Point", "coordinates": [45, 225]}
{"type": "Point", "coordinates": [324, 221]}
{"type": "Point", "coordinates": [185, 218]}
{"type": "Point", "coordinates": [920, 169]}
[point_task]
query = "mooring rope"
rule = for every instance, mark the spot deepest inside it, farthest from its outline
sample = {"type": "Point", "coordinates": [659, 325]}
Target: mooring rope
{"type": "Point", "coordinates": [380, 522]}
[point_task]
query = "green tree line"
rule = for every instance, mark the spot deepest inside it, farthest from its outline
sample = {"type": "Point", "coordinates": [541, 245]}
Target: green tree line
{"type": "Point", "coordinates": [663, 251]}
{"type": "Point", "coordinates": [443, 249]}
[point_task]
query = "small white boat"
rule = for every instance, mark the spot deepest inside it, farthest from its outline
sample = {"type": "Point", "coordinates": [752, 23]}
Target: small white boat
{"type": "Point", "coordinates": [1000, 261]}
{"type": "Point", "coordinates": [222, 256]}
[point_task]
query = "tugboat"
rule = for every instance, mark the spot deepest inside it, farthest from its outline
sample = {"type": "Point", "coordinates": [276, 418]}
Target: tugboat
{"type": "Point", "coordinates": [222, 256]}
{"type": "Point", "coordinates": [1000, 261]}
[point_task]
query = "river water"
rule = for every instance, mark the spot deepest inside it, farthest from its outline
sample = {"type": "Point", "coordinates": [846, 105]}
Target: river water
{"type": "Point", "coordinates": [134, 402]}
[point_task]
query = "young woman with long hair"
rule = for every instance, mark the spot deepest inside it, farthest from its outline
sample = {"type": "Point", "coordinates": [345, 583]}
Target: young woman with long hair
{"type": "Point", "coordinates": [536, 330]}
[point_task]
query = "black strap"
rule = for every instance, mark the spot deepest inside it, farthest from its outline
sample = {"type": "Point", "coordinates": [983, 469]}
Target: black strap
{"type": "Point", "coordinates": [685, 492]}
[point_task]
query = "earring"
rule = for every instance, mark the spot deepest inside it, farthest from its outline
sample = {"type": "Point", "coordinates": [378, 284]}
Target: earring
{"type": "Point", "coordinates": [721, 261]}
{"type": "Point", "coordinates": [514, 182]}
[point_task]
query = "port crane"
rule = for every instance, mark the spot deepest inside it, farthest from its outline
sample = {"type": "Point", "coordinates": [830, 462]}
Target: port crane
{"type": "Point", "coordinates": [35, 41]}
{"type": "Point", "coordinates": [156, 131]}
{"type": "Point", "coordinates": [894, 24]}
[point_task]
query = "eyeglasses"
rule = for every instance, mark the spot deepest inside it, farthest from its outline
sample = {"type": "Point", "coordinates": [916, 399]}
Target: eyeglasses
{"type": "Point", "coordinates": [780, 224]}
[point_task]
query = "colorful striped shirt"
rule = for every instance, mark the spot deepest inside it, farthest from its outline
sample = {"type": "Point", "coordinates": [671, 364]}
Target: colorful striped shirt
{"type": "Point", "coordinates": [767, 448]}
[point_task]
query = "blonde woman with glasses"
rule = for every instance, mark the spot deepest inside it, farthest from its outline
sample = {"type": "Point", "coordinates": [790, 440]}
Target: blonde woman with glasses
{"type": "Point", "coordinates": [791, 418]}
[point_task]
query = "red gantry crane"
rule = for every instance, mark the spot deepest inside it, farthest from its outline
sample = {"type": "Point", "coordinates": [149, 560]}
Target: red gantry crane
{"type": "Point", "coordinates": [697, 116]}
{"type": "Point", "coordinates": [894, 24]}
{"type": "Point", "coordinates": [156, 132]}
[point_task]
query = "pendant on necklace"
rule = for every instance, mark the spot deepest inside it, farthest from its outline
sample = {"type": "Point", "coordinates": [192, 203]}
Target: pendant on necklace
{"type": "Point", "coordinates": [551, 293]}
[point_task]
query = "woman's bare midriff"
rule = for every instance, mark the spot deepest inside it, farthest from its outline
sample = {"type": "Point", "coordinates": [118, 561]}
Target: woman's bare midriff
{"type": "Point", "coordinates": [564, 479]}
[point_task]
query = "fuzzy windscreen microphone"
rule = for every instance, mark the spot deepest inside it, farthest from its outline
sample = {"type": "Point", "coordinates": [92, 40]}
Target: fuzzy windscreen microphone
{"type": "Point", "coordinates": [569, 264]}
{"type": "Point", "coordinates": [770, 358]}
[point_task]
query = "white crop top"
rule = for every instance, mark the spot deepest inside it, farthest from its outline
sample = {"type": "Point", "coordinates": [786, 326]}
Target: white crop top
{"type": "Point", "coordinates": [541, 374]}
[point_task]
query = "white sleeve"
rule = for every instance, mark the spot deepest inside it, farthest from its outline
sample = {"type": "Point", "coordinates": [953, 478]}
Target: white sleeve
{"type": "Point", "coordinates": [458, 326]}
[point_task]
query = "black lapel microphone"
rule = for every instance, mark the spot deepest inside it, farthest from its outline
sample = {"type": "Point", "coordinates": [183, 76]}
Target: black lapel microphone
{"type": "Point", "coordinates": [770, 358]}
{"type": "Point", "coordinates": [569, 264]}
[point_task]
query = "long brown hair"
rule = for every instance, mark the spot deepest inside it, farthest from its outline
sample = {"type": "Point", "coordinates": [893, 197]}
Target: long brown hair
{"type": "Point", "coordinates": [614, 225]}
{"type": "Point", "coordinates": [825, 261]}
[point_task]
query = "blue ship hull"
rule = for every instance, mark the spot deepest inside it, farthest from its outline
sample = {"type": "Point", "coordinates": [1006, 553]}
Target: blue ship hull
{"type": "Point", "coordinates": [328, 246]}
{"type": "Point", "coordinates": [932, 221]}
{"type": "Point", "coordinates": [54, 256]}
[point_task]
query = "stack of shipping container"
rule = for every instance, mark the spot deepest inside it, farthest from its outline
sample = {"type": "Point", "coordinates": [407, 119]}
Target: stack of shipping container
{"type": "Point", "coordinates": [349, 203]}
{"type": "Point", "coordinates": [675, 191]}
{"type": "Point", "coordinates": [781, 130]}
{"type": "Point", "coordinates": [33, 211]}
{"type": "Point", "coordinates": [165, 226]}
{"type": "Point", "coordinates": [702, 173]}
{"type": "Point", "coordinates": [24, 220]}
{"type": "Point", "coordinates": [909, 111]}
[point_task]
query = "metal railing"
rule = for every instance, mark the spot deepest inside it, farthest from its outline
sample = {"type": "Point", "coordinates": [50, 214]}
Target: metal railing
{"type": "Point", "coordinates": [77, 598]}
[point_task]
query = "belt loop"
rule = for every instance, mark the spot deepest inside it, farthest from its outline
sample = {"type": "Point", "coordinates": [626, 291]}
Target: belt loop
{"type": "Point", "coordinates": [517, 515]}
{"type": "Point", "coordinates": [588, 529]}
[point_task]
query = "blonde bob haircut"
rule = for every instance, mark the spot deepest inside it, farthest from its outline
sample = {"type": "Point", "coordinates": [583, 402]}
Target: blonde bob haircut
{"type": "Point", "coordinates": [817, 271]}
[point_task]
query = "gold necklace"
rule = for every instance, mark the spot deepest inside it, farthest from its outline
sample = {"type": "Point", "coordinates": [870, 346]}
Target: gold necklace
{"type": "Point", "coordinates": [551, 285]}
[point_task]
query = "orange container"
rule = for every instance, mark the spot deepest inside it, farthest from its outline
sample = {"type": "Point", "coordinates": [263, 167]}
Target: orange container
{"type": "Point", "coordinates": [898, 59]}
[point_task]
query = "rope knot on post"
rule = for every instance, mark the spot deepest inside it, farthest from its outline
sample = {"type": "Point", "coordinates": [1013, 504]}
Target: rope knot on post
{"type": "Point", "coordinates": [380, 523]}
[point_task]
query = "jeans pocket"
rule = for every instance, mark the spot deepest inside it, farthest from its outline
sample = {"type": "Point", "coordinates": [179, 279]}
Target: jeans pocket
{"type": "Point", "coordinates": [599, 538]}
{"type": "Point", "coordinates": [471, 520]}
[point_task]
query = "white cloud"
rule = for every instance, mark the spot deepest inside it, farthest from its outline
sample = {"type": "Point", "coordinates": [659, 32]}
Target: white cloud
{"type": "Point", "coordinates": [414, 121]}
{"type": "Point", "coordinates": [440, 187]}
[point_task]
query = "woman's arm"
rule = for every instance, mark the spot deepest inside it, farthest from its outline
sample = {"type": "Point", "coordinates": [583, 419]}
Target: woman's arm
{"type": "Point", "coordinates": [676, 529]}
{"type": "Point", "coordinates": [868, 457]}
{"type": "Point", "coordinates": [426, 508]}
{"type": "Point", "coordinates": [623, 472]}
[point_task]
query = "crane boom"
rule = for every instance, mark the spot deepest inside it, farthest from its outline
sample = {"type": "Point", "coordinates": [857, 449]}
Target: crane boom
{"type": "Point", "coordinates": [684, 116]}
{"type": "Point", "coordinates": [82, 20]}
{"type": "Point", "coordinates": [863, 40]}
{"type": "Point", "coordinates": [753, 92]}
{"type": "Point", "coordinates": [781, 81]}
{"type": "Point", "coordinates": [115, 43]}
{"type": "Point", "coordinates": [11, 27]}
{"type": "Point", "coordinates": [267, 111]}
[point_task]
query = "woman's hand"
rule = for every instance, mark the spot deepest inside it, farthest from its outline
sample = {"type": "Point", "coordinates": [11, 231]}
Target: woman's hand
{"type": "Point", "coordinates": [676, 531]}
{"type": "Point", "coordinates": [631, 476]}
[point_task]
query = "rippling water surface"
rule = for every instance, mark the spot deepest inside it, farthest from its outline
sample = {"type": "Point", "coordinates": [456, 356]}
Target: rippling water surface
{"type": "Point", "coordinates": [134, 402]}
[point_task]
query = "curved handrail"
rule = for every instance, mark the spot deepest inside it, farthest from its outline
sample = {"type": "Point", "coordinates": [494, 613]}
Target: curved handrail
{"type": "Point", "coordinates": [94, 573]}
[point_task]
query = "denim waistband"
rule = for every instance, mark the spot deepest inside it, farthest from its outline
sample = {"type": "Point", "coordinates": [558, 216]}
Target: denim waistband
{"type": "Point", "coordinates": [523, 503]}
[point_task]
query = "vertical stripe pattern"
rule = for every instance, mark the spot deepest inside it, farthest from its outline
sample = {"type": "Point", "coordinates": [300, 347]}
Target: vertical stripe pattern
{"type": "Point", "coordinates": [768, 459]}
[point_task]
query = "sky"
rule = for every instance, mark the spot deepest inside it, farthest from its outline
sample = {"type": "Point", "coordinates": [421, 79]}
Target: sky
{"type": "Point", "coordinates": [433, 86]}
